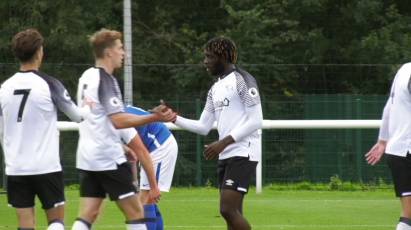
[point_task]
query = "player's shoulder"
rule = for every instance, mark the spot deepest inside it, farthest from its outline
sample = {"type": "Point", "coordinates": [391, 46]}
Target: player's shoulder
{"type": "Point", "coordinates": [90, 72]}
{"type": "Point", "coordinates": [405, 67]}
{"type": "Point", "coordinates": [48, 78]}
{"type": "Point", "coordinates": [244, 76]}
{"type": "Point", "coordinates": [239, 72]}
{"type": "Point", "coordinates": [90, 76]}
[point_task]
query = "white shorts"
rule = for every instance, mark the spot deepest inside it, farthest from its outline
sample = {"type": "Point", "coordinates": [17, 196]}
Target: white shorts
{"type": "Point", "coordinates": [164, 161]}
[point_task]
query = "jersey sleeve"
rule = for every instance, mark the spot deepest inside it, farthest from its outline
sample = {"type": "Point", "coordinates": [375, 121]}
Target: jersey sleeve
{"type": "Point", "coordinates": [109, 95]}
{"type": "Point", "coordinates": [247, 89]}
{"type": "Point", "coordinates": [1, 121]}
{"type": "Point", "coordinates": [201, 126]}
{"type": "Point", "coordinates": [61, 98]}
{"type": "Point", "coordinates": [127, 135]}
{"type": "Point", "coordinates": [209, 106]}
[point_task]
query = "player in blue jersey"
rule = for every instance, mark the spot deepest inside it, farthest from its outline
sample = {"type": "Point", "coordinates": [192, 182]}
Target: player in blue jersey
{"type": "Point", "coordinates": [163, 149]}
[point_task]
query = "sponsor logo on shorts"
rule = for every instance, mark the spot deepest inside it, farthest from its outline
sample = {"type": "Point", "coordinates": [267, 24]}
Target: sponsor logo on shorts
{"type": "Point", "coordinates": [229, 182]}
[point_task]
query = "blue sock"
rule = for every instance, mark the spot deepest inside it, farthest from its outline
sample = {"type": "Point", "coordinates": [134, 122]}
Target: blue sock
{"type": "Point", "coordinates": [159, 219]}
{"type": "Point", "coordinates": [150, 216]}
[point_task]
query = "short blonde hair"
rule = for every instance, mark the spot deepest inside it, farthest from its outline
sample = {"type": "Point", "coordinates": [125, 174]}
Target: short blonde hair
{"type": "Point", "coordinates": [103, 39]}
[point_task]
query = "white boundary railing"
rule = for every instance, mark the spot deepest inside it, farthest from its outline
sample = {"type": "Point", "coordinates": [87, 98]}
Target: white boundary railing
{"type": "Point", "coordinates": [277, 124]}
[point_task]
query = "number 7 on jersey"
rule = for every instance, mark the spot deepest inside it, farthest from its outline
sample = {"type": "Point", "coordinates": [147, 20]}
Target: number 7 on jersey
{"type": "Point", "coordinates": [25, 93]}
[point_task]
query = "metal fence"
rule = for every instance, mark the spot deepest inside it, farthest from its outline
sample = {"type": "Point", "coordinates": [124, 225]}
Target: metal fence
{"type": "Point", "coordinates": [288, 155]}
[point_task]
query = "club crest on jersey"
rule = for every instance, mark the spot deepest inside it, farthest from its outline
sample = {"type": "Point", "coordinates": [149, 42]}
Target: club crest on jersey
{"type": "Point", "coordinates": [220, 104]}
{"type": "Point", "coordinates": [114, 101]}
{"type": "Point", "coordinates": [253, 92]}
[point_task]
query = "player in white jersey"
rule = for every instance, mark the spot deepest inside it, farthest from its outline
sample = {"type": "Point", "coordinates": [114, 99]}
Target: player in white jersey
{"type": "Point", "coordinates": [234, 103]}
{"type": "Point", "coordinates": [394, 141]}
{"type": "Point", "coordinates": [100, 157]}
{"type": "Point", "coordinates": [28, 113]}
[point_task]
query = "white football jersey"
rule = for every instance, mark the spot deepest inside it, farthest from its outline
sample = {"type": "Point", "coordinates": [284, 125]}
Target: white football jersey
{"type": "Point", "coordinates": [396, 126]}
{"type": "Point", "coordinates": [29, 102]}
{"type": "Point", "coordinates": [227, 100]}
{"type": "Point", "coordinates": [99, 147]}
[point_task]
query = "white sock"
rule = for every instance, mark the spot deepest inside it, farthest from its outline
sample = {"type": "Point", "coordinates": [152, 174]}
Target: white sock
{"type": "Point", "coordinates": [56, 226]}
{"type": "Point", "coordinates": [80, 225]}
{"type": "Point", "coordinates": [141, 226]}
{"type": "Point", "coordinates": [403, 226]}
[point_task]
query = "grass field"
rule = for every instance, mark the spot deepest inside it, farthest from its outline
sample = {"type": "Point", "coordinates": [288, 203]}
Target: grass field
{"type": "Point", "coordinates": [197, 208]}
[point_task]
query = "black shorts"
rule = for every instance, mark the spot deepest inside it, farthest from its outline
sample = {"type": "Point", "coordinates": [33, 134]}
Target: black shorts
{"type": "Point", "coordinates": [235, 173]}
{"type": "Point", "coordinates": [49, 188]}
{"type": "Point", "coordinates": [401, 174]}
{"type": "Point", "coordinates": [118, 183]}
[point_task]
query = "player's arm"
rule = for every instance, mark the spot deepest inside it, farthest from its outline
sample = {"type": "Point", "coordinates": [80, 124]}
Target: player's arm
{"type": "Point", "coordinates": [64, 103]}
{"type": "Point", "coordinates": [134, 142]}
{"type": "Point", "coordinates": [204, 124]}
{"type": "Point", "coordinates": [133, 160]}
{"type": "Point", "coordinates": [123, 120]}
{"type": "Point", "coordinates": [254, 121]}
{"type": "Point", "coordinates": [383, 132]}
{"type": "Point", "coordinates": [201, 126]}
{"type": "Point", "coordinates": [1, 127]}
{"type": "Point", "coordinates": [373, 156]}
{"type": "Point", "coordinates": [1, 122]}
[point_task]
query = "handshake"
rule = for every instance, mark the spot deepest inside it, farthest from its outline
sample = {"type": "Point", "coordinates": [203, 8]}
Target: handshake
{"type": "Point", "coordinates": [164, 113]}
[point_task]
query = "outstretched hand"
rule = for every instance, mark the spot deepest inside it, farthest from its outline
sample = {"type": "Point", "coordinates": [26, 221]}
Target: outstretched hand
{"type": "Point", "coordinates": [164, 113]}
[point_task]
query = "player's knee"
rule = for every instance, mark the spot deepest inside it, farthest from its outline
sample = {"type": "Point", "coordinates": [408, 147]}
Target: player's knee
{"type": "Point", "coordinates": [227, 212]}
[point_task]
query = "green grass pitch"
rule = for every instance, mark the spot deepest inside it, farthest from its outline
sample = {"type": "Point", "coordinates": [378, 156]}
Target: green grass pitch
{"type": "Point", "coordinates": [197, 208]}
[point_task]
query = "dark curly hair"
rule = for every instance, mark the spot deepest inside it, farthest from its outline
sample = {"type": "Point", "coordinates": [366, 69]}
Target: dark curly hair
{"type": "Point", "coordinates": [223, 47]}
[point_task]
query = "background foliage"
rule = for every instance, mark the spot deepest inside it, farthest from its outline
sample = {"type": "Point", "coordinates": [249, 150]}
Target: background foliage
{"type": "Point", "coordinates": [294, 48]}
{"type": "Point", "coordinates": [267, 32]}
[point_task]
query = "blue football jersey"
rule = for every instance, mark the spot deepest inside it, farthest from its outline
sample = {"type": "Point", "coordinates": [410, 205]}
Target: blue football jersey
{"type": "Point", "coordinates": [153, 134]}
